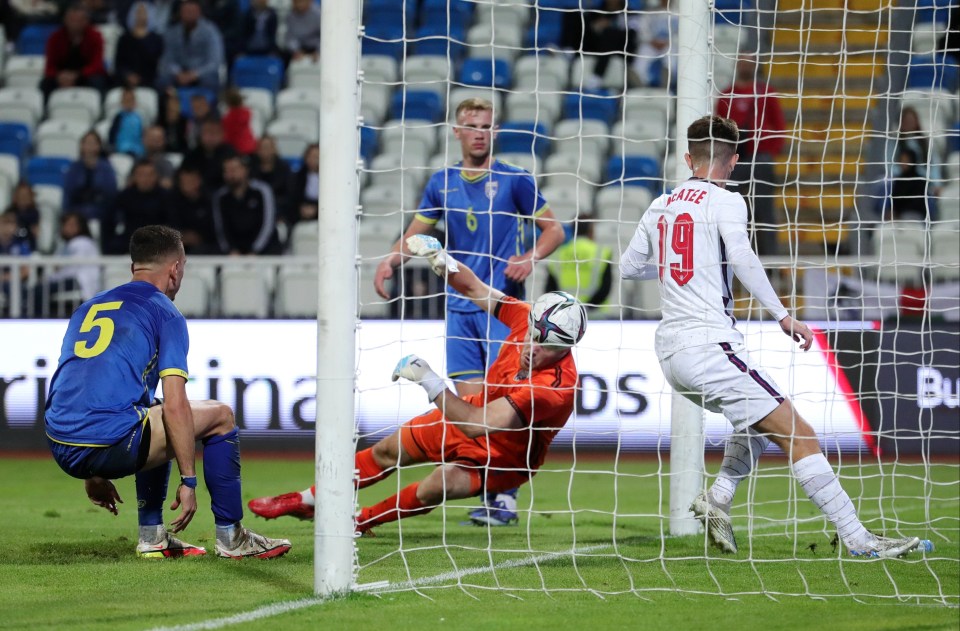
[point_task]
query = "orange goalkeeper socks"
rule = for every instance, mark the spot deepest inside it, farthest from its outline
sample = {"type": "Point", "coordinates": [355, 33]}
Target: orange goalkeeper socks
{"type": "Point", "coordinates": [403, 504]}
{"type": "Point", "coordinates": [370, 471]}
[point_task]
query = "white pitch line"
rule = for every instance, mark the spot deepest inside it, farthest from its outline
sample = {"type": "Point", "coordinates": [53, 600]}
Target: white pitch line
{"type": "Point", "coordinates": [267, 611]}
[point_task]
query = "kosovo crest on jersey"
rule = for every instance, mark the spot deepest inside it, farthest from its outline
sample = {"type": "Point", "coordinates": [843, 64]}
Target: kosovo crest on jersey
{"type": "Point", "coordinates": [490, 188]}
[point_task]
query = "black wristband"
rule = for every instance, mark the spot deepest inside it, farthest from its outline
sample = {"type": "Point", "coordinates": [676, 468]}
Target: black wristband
{"type": "Point", "coordinates": [189, 481]}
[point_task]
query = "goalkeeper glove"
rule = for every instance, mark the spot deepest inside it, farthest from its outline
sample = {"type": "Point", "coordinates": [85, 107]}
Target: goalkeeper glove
{"type": "Point", "coordinates": [418, 371]}
{"type": "Point", "coordinates": [430, 248]}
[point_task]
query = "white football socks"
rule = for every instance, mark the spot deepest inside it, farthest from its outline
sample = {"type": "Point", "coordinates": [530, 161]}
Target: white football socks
{"type": "Point", "coordinates": [740, 456]}
{"type": "Point", "coordinates": [822, 486]}
{"type": "Point", "coordinates": [307, 497]}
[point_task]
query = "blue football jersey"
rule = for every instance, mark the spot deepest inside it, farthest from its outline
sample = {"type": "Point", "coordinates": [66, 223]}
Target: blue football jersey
{"type": "Point", "coordinates": [486, 218]}
{"type": "Point", "coordinates": [117, 347]}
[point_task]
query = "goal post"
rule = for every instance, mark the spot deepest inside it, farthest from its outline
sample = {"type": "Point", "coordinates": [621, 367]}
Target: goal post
{"type": "Point", "coordinates": [337, 300]}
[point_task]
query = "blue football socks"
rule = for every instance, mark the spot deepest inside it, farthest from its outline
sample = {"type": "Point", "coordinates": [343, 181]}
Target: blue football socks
{"type": "Point", "coordinates": [221, 473]}
{"type": "Point", "coordinates": [151, 494]}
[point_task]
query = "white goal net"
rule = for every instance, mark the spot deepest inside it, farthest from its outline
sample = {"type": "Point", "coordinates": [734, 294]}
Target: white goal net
{"type": "Point", "coordinates": [851, 170]}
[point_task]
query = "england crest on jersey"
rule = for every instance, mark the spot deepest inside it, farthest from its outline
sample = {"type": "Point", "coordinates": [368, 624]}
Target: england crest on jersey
{"type": "Point", "coordinates": [490, 188]}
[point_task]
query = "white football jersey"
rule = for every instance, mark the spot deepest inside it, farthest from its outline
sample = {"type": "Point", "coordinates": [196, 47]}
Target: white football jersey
{"type": "Point", "coordinates": [693, 239]}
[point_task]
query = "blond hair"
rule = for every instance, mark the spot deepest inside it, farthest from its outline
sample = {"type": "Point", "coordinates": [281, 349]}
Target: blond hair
{"type": "Point", "coordinates": [474, 104]}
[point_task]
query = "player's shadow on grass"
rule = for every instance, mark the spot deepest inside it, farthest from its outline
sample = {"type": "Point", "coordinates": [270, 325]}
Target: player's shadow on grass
{"type": "Point", "coordinates": [72, 552]}
{"type": "Point", "coordinates": [275, 573]}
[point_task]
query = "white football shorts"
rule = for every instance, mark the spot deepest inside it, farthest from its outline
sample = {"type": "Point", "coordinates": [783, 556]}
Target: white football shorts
{"type": "Point", "coordinates": [721, 378]}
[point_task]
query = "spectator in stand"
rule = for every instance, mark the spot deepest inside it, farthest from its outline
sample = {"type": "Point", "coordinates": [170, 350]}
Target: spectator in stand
{"type": "Point", "coordinates": [82, 278]}
{"type": "Point", "coordinates": [192, 52]}
{"type": "Point", "coordinates": [174, 124]}
{"type": "Point", "coordinates": [126, 131]}
{"type": "Point", "coordinates": [11, 244]}
{"type": "Point", "coordinates": [244, 213]}
{"type": "Point", "coordinates": [949, 44]}
{"type": "Point", "coordinates": [603, 31]}
{"type": "Point", "coordinates": [582, 267]}
{"type": "Point", "coordinates": [306, 187]}
{"type": "Point", "coordinates": [908, 194]}
{"type": "Point", "coordinates": [913, 141]}
{"type": "Point", "coordinates": [656, 29]}
{"type": "Point", "coordinates": [267, 166]}
{"type": "Point", "coordinates": [100, 11]}
{"type": "Point", "coordinates": [74, 55]}
{"type": "Point", "coordinates": [228, 18]}
{"type": "Point", "coordinates": [758, 115]}
{"type": "Point", "coordinates": [90, 185]}
{"type": "Point", "coordinates": [260, 29]}
{"type": "Point", "coordinates": [142, 203]}
{"type": "Point", "coordinates": [24, 204]}
{"type": "Point", "coordinates": [236, 123]}
{"type": "Point", "coordinates": [200, 110]}
{"type": "Point", "coordinates": [303, 31]}
{"type": "Point", "coordinates": [209, 155]}
{"type": "Point", "coordinates": [194, 213]}
{"type": "Point", "coordinates": [139, 49]}
{"type": "Point", "coordinates": [16, 14]}
{"type": "Point", "coordinates": [154, 150]}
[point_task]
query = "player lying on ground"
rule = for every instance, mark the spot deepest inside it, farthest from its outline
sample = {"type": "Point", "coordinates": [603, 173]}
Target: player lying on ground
{"type": "Point", "coordinates": [102, 422]}
{"type": "Point", "coordinates": [692, 240]}
{"type": "Point", "coordinates": [483, 443]}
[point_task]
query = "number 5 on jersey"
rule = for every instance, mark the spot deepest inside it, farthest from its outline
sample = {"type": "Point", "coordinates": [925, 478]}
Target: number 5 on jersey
{"type": "Point", "coordinates": [104, 323]}
{"type": "Point", "coordinates": [680, 236]}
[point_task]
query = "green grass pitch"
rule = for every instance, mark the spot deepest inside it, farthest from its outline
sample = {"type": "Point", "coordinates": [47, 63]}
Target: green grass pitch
{"type": "Point", "coordinates": [67, 564]}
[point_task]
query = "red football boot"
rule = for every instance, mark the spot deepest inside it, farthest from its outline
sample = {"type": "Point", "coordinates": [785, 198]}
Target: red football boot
{"type": "Point", "coordinates": [287, 504]}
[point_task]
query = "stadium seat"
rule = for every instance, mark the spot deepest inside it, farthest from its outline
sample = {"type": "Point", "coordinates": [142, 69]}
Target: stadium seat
{"type": "Point", "coordinates": [122, 164]}
{"type": "Point", "coordinates": [379, 68]}
{"type": "Point", "coordinates": [593, 105]}
{"type": "Point", "coordinates": [245, 291]}
{"type": "Point", "coordinates": [569, 201]}
{"type": "Point", "coordinates": [185, 94]}
{"type": "Point", "coordinates": [953, 138]}
{"type": "Point", "coordinates": [523, 137]}
{"type": "Point", "coordinates": [728, 40]}
{"type": "Point", "coordinates": [541, 73]}
{"type": "Point", "coordinates": [111, 35]}
{"type": "Point", "coordinates": [934, 72]}
{"type": "Point", "coordinates": [647, 103]}
{"type": "Point", "coordinates": [901, 250]}
{"type": "Point", "coordinates": [304, 73]}
{"type": "Point", "coordinates": [176, 159]}
{"type": "Point", "coordinates": [614, 78]}
{"type": "Point", "coordinates": [33, 38]}
{"type": "Point", "coordinates": [945, 255]}
{"type": "Point", "coordinates": [102, 127]}
{"type": "Point", "coordinates": [523, 159]}
{"type": "Point", "coordinates": [417, 139]}
{"type": "Point", "coordinates": [439, 40]}
{"type": "Point", "coordinates": [456, 13]}
{"type": "Point", "coordinates": [569, 167]}
{"type": "Point", "coordinates": [502, 43]}
{"type": "Point", "coordinates": [383, 39]}
{"type": "Point", "coordinates": [147, 103]}
{"type": "Point", "coordinates": [76, 104]}
{"type": "Point", "coordinates": [9, 170]}
{"type": "Point", "coordinates": [587, 138]}
{"type": "Point", "coordinates": [304, 238]}
{"type": "Point", "coordinates": [59, 138]}
{"type": "Point", "coordinates": [369, 143]}
{"type": "Point", "coordinates": [533, 106]}
{"type": "Point", "coordinates": [635, 171]}
{"type": "Point", "coordinates": [936, 109]}
{"type": "Point", "coordinates": [49, 201]}
{"type": "Point", "coordinates": [193, 299]}
{"type": "Point", "coordinates": [507, 15]}
{"type": "Point", "coordinates": [23, 71]}
{"type": "Point", "coordinates": [622, 203]}
{"type": "Point", "coordinates": [299, 104]}
{"type": "Point", "coordinates": [374, 101]}
{"type": "Point", "coordinates": [259, 100]}
{"type": "Point", "coordinates": [256, 71]}
{"type": "Point", "coordinates": [15, 139]}
{"type": "Point", "coordinates": [392, 168]}
{"type": "Point", "coordinates": [416, 105]}
{"type": "Point", "coordinates": [545, 30]}
{"type": "Point", "coordinates": [297, 292]}
{"type": "Point", "coordinates": [385, 206]}
{"type": "Point", "coordinates": [427, 72]}
{"type": "Point", "coordinates": [48, 171]}
{"type": "Point", "coordinates": [640, 137]}
{"type": "Point", "coordinates": [293, 136]}
{"type": "Point", "coordinates": [484, 73]}
{"type": "Point", "coordinates": [951, 167]}
{"type": "Point", "coordinates": [21, 105]}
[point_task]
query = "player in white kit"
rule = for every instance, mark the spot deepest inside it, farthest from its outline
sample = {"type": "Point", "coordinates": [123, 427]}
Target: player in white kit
{"type": "Point", "coordinates": [693, 240]}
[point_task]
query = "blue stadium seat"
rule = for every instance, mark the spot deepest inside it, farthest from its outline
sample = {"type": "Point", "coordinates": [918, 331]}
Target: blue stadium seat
{"type": "Point", "coordinates": [485, 73]}
{"type": "Point", "coordinates": [258, 71]}
{"type": "Point", "coordinates": [545, 30]}
{"type": "Point", "coordinates": [33, 39]}
{"type": "Point", "coordinates": [523, 137]}
{"type": "Point", "coordinates": [416, 105]}
{"type": "Point", "coordinates": [49, 171]}
{"type": "Point", "coordinates": [592, 105]}
{"type": "Point", "coordinates": [731, 11]}
{"type": "Point", "coordinates": [368, 143]}
{"type": "Point", "coordinates": [932, 72]}
{"type": "Point", "coordinates": [635, 171]}
{"type": "Point", "coordinates": [389, 11]}
{"type": "Point", "coordinates": [458, 13]}
{"type": "Point", "coordinates": [185, 94]}
{"type": "Point", "coordinates": [933, 11]}
{"type": "Point", "coordinates": [15, 139]}
{"type": "Point", "coordinates": [953, 139]}
{"type": "Point", "coordinates": [437, 39]}
{"type": "Point", "coordinates": [383, 39]}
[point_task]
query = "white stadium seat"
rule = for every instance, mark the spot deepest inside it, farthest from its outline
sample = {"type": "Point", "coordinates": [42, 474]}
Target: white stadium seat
{"type": "Point", "coordinates": [649, 103]}
{"type": "Point", "coordinates": [193, 299]}
{"type": "Point", "coordinates": [410, 140]}
{"type": "Point", "coordinates": [568, 202]}
{"type": "Point", "coordinates": [77, 104]}
{"type": "Point", "coordinates": [50, 204]}
{"type": "Point", "coordinates": [111, 35]}
{"type": "Point", "coordinates": [21, 105]}
{"type": "Point", "coordinates": [902, 249]}
{"type": "Point", "coordinates": [60, 138]}
{"type": "Point", "coordinates": [395, 164]}
{"type": "Point", "coordinates": [614, 78]}
{"type": "Point", "coordinates": [431, 73]}
{"type": "Point", "coordinates": [304, 73]}
{"type": "Point", "coordinates": [534, 106]}
{"type": "Point", "coordinates": [9, 170]}
{"type": "Point", "coordinates": [622, 203]}
{"type": "Point", "coordinates": [945, 255]}
{"type": "Point", "coordinates": [122, 165]}
{"type": "Point", "coordinates": [147, 104]}
{"type": "Point", "coordinates": [640, 137]}
{"type": "Point", "coordinates": [486, 42]}
{"type": "Point", "coordinates": [299, 104]}
{"type": "Point", "coordinates": [385, 205]}
{"type": "Point", "coordinates": [374, 101]}
{"type": "Point", "coordinates": [589, 138]}
{"type": "Point", "coordinates": [297, 292]}
{"type": "Point", "coordinates": [524, 160]}
{"type": "Point", "coordinates": [541, 73]}
{"type": "Point", "coordinates": [568, 167]}
{"type": "Point", "coordinates": [304, 239]}
{"type": "Point", "coordinates": [379, 68]}
{"type": "Point", "coordinates": [244, 292]}
{"type": "Point", "coordinates": [260, 100]}
{"type": "Point", "coordinates": [24, 71]}
{"type": "Point", "coordinates": [293, 136]}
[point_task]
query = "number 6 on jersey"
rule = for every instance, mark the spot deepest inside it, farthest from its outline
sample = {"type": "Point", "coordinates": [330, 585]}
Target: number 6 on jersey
{"type": "Point", "coordinates": [681, 242]}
